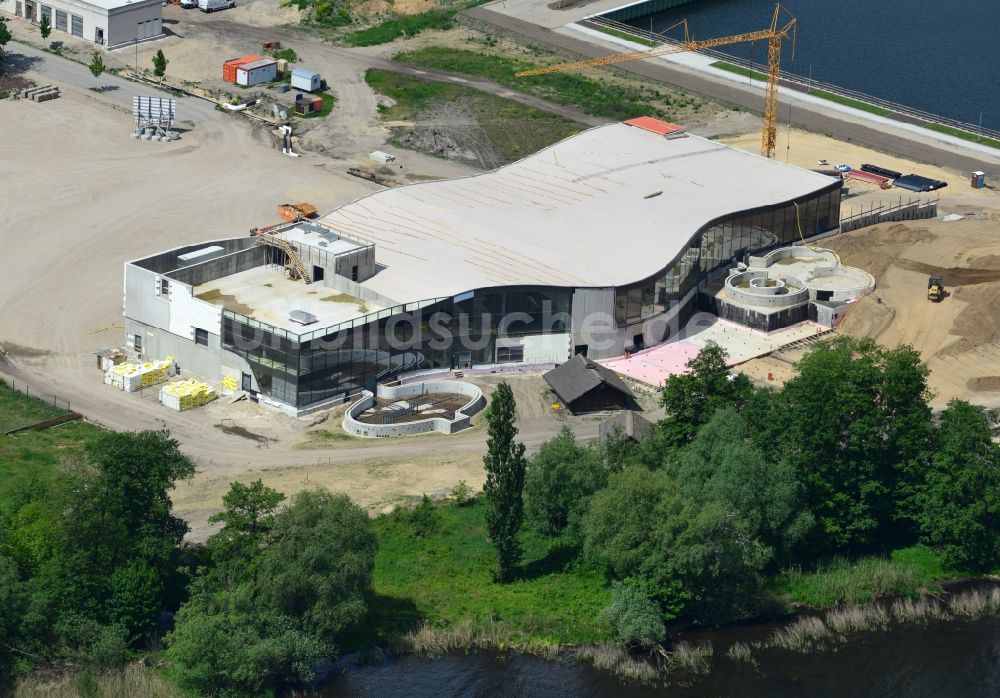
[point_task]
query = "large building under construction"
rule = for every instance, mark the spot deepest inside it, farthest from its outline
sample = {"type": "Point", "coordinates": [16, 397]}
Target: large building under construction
{"type": "Point", "coordinates": [597, 245]}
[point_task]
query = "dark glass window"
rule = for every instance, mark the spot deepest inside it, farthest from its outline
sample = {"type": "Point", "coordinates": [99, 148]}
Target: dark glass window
{"type": "Point", "coordinates": [200, 337]}
{"type": "Point", "coordinates": [510, 354]}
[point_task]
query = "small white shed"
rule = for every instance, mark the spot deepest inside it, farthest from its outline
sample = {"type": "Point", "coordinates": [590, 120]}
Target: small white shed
{"type": "Point", "coordinates": [307, 80]}
{"type": "Point", "coordinates": [250, 74]}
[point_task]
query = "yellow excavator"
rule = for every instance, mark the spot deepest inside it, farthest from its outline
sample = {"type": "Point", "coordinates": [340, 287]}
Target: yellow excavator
{"type": "Point", "coordinates": [935, 289]}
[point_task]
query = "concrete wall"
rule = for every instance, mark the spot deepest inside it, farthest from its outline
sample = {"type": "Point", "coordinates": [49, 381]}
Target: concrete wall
{"type": "Point", "coordinates": [188, 313]}
{"type": "Point", "coordinates": [164, 262]}
{"type": "Point", "coordinates": [345, 285]}
{"type": "Point", "coordinates": [123, 23]}
{"type": "Point", "coordinates": [209, 363]}
{"type": "Point", "coordinates": [227, 265]}
{"type": "Point", "coordinates": [907, 212]}
{"type": "Point", "coordinates": [462, 419]}
{"type": "Point", "coordinates": [143, 301]}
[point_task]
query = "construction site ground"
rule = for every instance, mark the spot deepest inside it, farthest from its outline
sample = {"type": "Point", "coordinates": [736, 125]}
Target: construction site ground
{"type": "Point", "coordinates": [83, 198]}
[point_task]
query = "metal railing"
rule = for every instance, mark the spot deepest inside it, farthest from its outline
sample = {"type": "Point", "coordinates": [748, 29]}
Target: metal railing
{"type": "Point", "coordinates": [806, 84]}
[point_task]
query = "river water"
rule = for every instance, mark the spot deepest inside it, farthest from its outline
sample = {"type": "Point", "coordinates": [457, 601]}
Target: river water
{"type": "Point", "coordinates": [941, 56]}
{"type": "Point", "coordinates": [936, 660]}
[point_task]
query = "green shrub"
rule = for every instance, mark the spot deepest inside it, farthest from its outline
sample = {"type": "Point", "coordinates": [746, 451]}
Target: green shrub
{"type": "Point", "coordinates": [287, 54]}
{"type": "Point", "coordinates": [635, 618]}
{"type": "Point", "coordinates": [424, 518]}
{"type": "Point", "coordinates": [462, 493]}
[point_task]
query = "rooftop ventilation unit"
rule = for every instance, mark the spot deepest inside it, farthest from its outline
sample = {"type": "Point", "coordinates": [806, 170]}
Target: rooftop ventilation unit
{"type": "Point", "coordinates": [302, 317]}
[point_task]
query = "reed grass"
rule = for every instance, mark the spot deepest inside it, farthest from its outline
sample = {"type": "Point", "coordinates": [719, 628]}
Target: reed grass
{"type": "Point", "coordinates": [467, 634]}
{"type": "Point", "coordinates": [696, 659]}
{"type": "Point", "coordinates": [975, 603]}
{"type": "Point", "coordinates": [613, 658]}
{"type": "Point", "coordinates": [741, 652]}
{"type": "Point", "coordinates": [130, 681]}
{"type": "Point", "coordinates": [852, 619]}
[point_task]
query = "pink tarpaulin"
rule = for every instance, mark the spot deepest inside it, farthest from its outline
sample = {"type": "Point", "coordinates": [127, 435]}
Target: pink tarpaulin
{"type": "Point", "coordinates": [654, 366]}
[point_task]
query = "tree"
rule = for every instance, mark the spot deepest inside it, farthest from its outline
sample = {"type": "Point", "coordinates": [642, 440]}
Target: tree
{"type": "Point", "coordinates": [559, 481]}
{"type": "Point", "coordinates": [263, 626]}
{"type": "Point", "coordinates": [160, 64]}
{"type": "Point", "coordinates": [317, 567]}
{"type": "Point", "coordinates": [856, 428]}
{"type": "Point", "coordinates": [721, 465]}
{"type": "Point", "coordinates": [96, 67]}
{"type": "Point", "coordinates": [5, 34]}
{"type": "Point", "coordinates": [691, 398]}
{"type": "Point", "coordinates": [704, 562]}
{"type": "Point", "coordinates": [957, 506]}
{"type": "Point", "coordinates": [505, 465]}
{"type": "Point", "coordinates": [247, 519]}
{"type": "Point", "coordinates": [44, 28]}
{"type": "Point", "coordinates": [635, 617]}
{"type": "Point", "coordinates": [424, 519]}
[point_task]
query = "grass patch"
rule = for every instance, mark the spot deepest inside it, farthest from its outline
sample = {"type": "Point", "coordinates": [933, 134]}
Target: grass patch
{"type": "Point", "coordinates": [514, 130]}
{"type": "Point", "coordinates": [329, 101]}
{"type": "Point", "coordinates": [131, 680]}
{"type": "Point", "coordinates": [440, 584]}
{"type": "Point", "coordinates": [599, 97]}
{"type": "Point", "coordinates": [403, 25]}
{"type": "Point", "coordinates": [287, 54]}
{"type": "Point", "coordinates": [627, 36]}
{"type": "Point", "coordinates": [35, 455]}
{"type": "Point", "coordinates": [965, 135]}
{"type": "Point", "coordinates": [861, 581]}
{"type": "Point", "coordinates": [740, 70]}
{"type": "Point", "coordinates": [4, 94]}
{"type": "Point", "coordinates": [848, 102]}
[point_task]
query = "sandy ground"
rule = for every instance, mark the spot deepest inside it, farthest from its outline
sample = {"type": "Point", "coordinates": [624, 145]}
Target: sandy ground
{"type": "Point", "coordinates": [807, 149]}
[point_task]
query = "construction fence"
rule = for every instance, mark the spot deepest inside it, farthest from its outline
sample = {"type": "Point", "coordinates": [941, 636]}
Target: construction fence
{"type": "Point", "coordinates": [15, 416]}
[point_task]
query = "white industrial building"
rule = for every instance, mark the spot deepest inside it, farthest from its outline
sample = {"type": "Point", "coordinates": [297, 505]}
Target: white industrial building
{"type": "Point", "coordinates": [108, 23]}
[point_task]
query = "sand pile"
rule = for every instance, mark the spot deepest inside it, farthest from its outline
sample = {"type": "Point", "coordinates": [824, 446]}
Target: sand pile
{"type": "Point", "coordinates": [877, 248]}
{"type": "Point", "coordinates": [979, 323]}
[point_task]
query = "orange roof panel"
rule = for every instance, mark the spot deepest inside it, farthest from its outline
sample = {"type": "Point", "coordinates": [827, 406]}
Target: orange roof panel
{"type": "Point", "coordinates": [648, 123]}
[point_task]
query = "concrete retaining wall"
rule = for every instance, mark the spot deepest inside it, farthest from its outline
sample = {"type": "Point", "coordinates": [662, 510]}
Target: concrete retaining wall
{"type": "Point", "coordinates": [906, 212]}
{"type": "Point", "coordinates": [463, 416]}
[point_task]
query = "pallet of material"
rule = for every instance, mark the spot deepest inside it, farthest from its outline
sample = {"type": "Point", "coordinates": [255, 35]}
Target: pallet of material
{"type": "Point", "coordinates": [131, 377]}
{"type": "Point", "coordinates": [40, 94]}
{"type": "Point", "coordinates": [869, 177]}
{"type": "Point", "coordinates": [186, 395]}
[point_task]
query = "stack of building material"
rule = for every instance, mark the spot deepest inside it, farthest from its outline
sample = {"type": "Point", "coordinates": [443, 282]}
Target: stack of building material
{"type": "Point", "coordinates": [229, 385]}
{"type": "Point", "coordinates": [131, 377]}
{"type": "Point", "coordinates": [186, 395]}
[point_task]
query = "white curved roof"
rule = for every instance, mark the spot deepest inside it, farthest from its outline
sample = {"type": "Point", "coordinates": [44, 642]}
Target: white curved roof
{"type": "Point", "coordinates": [574, 214]}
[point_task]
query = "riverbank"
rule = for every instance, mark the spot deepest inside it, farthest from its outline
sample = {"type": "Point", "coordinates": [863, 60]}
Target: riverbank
{"type": "Point", "coordinates": [550, 29]}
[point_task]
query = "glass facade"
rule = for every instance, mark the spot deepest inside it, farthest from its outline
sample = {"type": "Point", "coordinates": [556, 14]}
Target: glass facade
{"type": "Point", "coordinates": [316, 365]}
{"type": "Point", "coordinates": [722, 242]}
{"type": "Point", "coordinates": [302, 369]}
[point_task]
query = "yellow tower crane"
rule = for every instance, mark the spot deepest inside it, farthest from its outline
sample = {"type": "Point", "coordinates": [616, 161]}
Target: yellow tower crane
{"type": "Point", "coordinates": [773, 35]}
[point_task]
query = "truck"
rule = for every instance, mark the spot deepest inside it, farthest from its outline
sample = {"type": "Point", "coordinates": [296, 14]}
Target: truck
{"type": "Point", "coordinates": [213, 5]}
{"type": "Point", "coordinates": [935, 289]}
{"type": "Point", "coordinates": [297, 212]}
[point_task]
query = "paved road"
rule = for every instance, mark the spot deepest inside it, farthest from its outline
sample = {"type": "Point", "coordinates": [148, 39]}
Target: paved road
{"type": "Point", "coordinates": [59, 69]}
{"type": "Point", "coordinates": [803, 116]}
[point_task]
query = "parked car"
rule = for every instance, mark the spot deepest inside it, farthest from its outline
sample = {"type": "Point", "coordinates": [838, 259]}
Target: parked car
{"type": "Point", "coordinates": [213, 5]}
{"type": "Point", "coordinates": [189, 4]}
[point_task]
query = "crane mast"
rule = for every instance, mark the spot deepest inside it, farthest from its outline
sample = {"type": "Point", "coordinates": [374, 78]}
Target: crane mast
{"type": "Point", "coordinates": [773, 35]}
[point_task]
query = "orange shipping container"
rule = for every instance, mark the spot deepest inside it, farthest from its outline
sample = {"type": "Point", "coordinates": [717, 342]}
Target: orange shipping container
{"type": "Point", "coordinates": [229, 67]}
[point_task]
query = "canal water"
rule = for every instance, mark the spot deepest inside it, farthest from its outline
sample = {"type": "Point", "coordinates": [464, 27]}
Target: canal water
{"type": "Point", "coordinates": [934, 660]}
{"type": "Point", "coordinates": [939, 56]}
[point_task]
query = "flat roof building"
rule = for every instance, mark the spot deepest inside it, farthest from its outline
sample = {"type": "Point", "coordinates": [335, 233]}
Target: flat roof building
{"type": "Point", "coordinates": [597, 245]}
{"type": "Point", "coordinates": [108, 23]}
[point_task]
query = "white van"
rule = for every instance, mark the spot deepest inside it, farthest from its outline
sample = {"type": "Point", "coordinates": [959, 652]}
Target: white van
{"type": "Point", "coordinates": [213, 5]}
